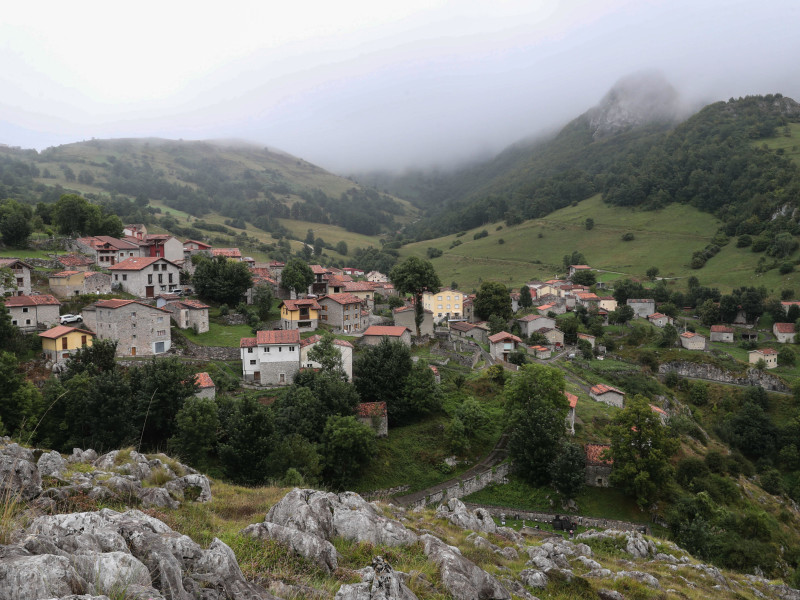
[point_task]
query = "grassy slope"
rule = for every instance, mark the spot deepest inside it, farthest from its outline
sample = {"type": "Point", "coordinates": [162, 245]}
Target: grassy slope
{"type": "Point", "coordinates": [664, 238]}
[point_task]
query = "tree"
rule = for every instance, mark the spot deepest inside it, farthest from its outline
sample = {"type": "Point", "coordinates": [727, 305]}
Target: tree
{"type": "Point", "coordinates": [328, 356]}
{"type": "Point", "coordinates": [15, 223]}
{"type": "Point", "coordinates": [536, 409]}
{"type": "Point", "coordinates": [641, 448]}
{"type": "Point", "coordinates": [584, 277]}
{"type": "Point", "coordinates": [262, 300]}
{"type": "Point", "coordinates": [17, 395]}
{"type": "Point", "coordinates": [669, 335]}
{"type": "Point", "coordinates": [415, 276]}
{"type": "Point", "coordinates": [380, 374]}
{"type": "Point", "coordinates": [497, 324]}
{"type": "Point", "coordinates": [786, 356]}
{"type": "Point", "coordinates": [347, 447]}
{"type": "Point", "coordinates": [525, 300]}
{"type": "Point", "coordinates": [341, 248]}
{"type": "Point", "coordinates": [568, 469]}
{"type": "Point", "coordinates": [422, 393]}
{"type": "Point", "coordinates": [222, 280]}
{"type": "Point", "coordinates": [652, 273]}
{"type": "Point", "coordinates": [576, 258]}
{"type": "Point", "coordinates": [625, 289]}
{"type": "Point", "coordinates": [493, 299]}
{"type": "Point", "coordinates": [196, 426]}
{"type": "Point", "coordinates": [297, 276]}
{"type": "Point", "coordinates": [246, 447]}
{"type": "Point", "coordinates": [709, 312]}
{"type": "Point", "coordinates": [589, 224]}
{"type": "Point", "coordinates": [294, 452]}
{"type": "Point", "coordinates": [621, 315]}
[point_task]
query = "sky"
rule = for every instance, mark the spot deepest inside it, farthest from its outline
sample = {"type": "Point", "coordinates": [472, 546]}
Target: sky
{"type": "Point", "coordinates": [357, 85]}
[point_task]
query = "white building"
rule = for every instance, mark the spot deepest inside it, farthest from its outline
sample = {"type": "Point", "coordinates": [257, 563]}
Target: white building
{"type": "Point", "coordinates": [272, 357]}
{"type": "Point", "coordinates": [344, 348]}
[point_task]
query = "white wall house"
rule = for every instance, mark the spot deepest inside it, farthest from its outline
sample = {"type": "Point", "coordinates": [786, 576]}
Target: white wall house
{"type": "Point", "coordinates": [344, 348]}
{"type": "Point", "coordinates": [272, 357]}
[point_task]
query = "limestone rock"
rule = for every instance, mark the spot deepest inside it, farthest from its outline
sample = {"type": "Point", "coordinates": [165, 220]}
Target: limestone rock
{"type": "Point", "coordinates": [35, 577]}
{"type": "Point", "coordinates": [463, 579]}
{"type": "Point", "coordinates": [317, 550]}
{"type": "Point", "coordinates": [380, 583]}
{"type": "Point", "coordinates": [192, 487]}
{"type": "Point", "coordinates": [109, 571]}
{"type": "Point", "coordinates": [19, 475]}
{"type": "Point", "coordinates": [645, 578]}
{"type": "Point", "coordinates": [533, 578]}
{"type": "Point", "coordinates": [457, 513]}
{"type": "Point", "coordinates": [156, 497]}
{"type": "Point", "coordinates": [51, 464]}
{"type": "Point", "coordinates": [82, 456]}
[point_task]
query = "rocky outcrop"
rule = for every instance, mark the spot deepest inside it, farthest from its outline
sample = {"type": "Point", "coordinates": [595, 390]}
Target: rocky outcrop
{"type": "Point", "coordinates": [458, 514]}
{"type": "Point", "coordinates": [319, 551]}
{"type": "Point", "coordinates": [112, 553]}
{"type": "Point", "coordinates": [633, 542]}
{"type": "Point", "coordinates": [713, 373]}
{"type": "Point", "coordinates": [378, 582]}
{"type": "Point", "coordinates": [19, 475]}
{"type": "Point", "coordinates": [462, 578]}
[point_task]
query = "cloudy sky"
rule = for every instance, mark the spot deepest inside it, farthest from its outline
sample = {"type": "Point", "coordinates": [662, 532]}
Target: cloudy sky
{"type": "Point", "coordinates": [355, 85]}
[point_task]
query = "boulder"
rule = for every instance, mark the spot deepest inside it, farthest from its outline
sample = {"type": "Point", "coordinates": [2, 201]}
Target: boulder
{"type": "Point", "coordinates": [156, 498]}
{"type": "Point", "coordinates": [51, 464]}
{"type": "Point", "coordinates": [110, 572]}
{"type": "Point", "coordinates": [19, 475]}
{"type": "Point", "coordinates": [82, 456]}
{"type": "Point", "coordinates": [380, 582]}
{"type": "Point", "coordinates": [645, 578]}
{"type": "Point", "coordinates": [309, 511]}
{"type": "Point", "coordinates": [533, 578]}
{"type": "Point", "coordinates": [462, 578]}
{"type": "Point", "coordinates": [319, 551]}
{"type": "Point", "coordinates": [193, 487]}
{"type": "Point", "coordinates": [457, 513]}
{"type": "Point", "coordinates": [42, 576]}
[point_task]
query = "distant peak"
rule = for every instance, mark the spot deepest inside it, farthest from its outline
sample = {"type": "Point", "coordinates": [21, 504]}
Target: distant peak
{"type": "Point", "coordinates": [637, 99]}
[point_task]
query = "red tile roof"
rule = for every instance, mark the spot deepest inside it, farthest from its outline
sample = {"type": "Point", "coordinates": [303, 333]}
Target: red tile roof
{"type": "Point", "coordinates": [529, 318]}
{"type": "Point", "coordinates": [658, 410]}
{"type": "Point", "coordinates": [766, 351]}
{"type": "Point", "coordinates": [594, 453]}
{"type": "Point", "coordinates": [371, 409]}
{"type": "Point", "coordinates": [99, 241]}
{"type": "Point", "coordinates": [462, 326]}
{"type": "Point", "coordinates": [656, 315]}
{"type": "Point", "coordinates": [358, 286]}
{"type": "Point", "coordinates": [580, 267]}
{"type": "Point", "coordinates": [602, 388]}
{"type": "Point", "coordinates": [689, 335]}
{"type": "Point", "coordinates": [318, 269]}
{"type": "Point", "coordinates": [74, 260]}
{"type": "Point", "coordinates": [278, 336]}
{"type": "Point", "coordinates": [296, 304]}
{"type": "Point", "coordinates": [226, 252]}
{"type": "Point", "coordinates": [546, 306]}
{"type": "Point", "coordinates": [721, 329]}
{"type": "Point", "coordinates": [59, 330]}
{"type": "Point", "coordinates": [387, 330]}
{"type": "Point", "coordinates": [38, 300]}
{"type": "Point", "coordinates": [119, 303]}
{"type": "Point", "coordinates": [503, 335]}
{"type": "Point", "coordinates": [316, 338]}
{"type": "Point", "coordinates": [784, 327]}
{"type": "Point", "coordinates": [342, 298]}
{"type": "Point", "coordinates": [203, 380]}
{"type": "Point", "coordinates": [586, 336]}
{"type": "Point", "coordinates": [65, 274]}
{"type": "Point", "coordinates": [137, 263]}
{"type": "Point", "coordinates": [248, 342]}
{"type": "Point", "coordinates": [9, 262]}
{"type": "Point", "coordinates": [572, 399]}
{"type": "Point", "coordinates": [201, 244]}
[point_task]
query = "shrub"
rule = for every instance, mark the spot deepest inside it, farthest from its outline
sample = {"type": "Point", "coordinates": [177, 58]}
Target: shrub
{"type": "Point", "coordinates": [786, 268]}
{"type": "Point", "coordinates": [744, 241]}
{"type": "Point", "coordinates": [628, 237]}
{"type": "Point", "coordinates": [481, 234]}
{"type": "Point", "coordinates": [689, 469]}
{"type": "Point", "coordinates": [772, 482]}
{"type": "Point", "coordinates": [434, 252]}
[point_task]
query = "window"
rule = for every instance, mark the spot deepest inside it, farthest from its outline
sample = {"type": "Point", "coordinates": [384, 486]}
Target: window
{"type": "Point", "coordinates": [170, 277]}
{"type": "Point", "coordinates": [134, 336]}
{"type": "Point", "coordinates": [456, 306]}
{"type": "Point", "coordinates": [116, 277]}
{"type": "Point", "coordinates": [149, 279]}
{"type": "Point", "coordinates": [252, 362]}
{"type": "Point", "coordinates": [439, 298]}
{"type": "Point", "coordinates": [160, 320]}
{"type": "Point", "coordinates": [249, 350]}
{"type": "Point", "coordinates": [27, 321]}
{"type": "Point", "coordinates": [124, 277]}
{"type": "Point", "coordinates": [160, 278]}
{"type": "Point", "coordinates": [161, 332]}
{"type": "Point", "coordinates": [291, 348]}
{"type": "Point", "coordinates": [64, 343]}
{"type": "Point", "coordinates": [25, 309]}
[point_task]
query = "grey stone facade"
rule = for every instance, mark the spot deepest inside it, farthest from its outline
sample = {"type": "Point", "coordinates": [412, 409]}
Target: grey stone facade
{"type": "Point", "coordinates": [140, 329]}
{"type": "Point", "coordinates": [342, 312]}
{"type": "Point", "coordinates": [21, 273]}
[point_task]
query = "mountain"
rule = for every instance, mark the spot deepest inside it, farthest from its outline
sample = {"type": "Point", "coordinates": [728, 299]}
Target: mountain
{"type": "Point", "coordinates": [231, 178]}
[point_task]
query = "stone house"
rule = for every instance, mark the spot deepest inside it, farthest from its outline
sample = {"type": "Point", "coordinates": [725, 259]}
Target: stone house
{"type": "Point", "coordinates": [514, 301]}
{"type": "Point", "coordinates": [30, 313]}
{"type": "Point", "coordinates": [577, 268]}
{"type": "Point", "coordinates": [532, 323]}
{"type": "Point", "coordinates": [444, 304]}
{"type": "Point", "coordinates": [205, 386]}
{"type": "Point", "coordinates": [462, 329]}
{"type": "Point", "coordinates": [375, 415]}
{"type": "Point", "coordinates": [75, 262]}
{"type": "Point", "coordinates": [659, 320]}
{"type": "Point", "coordinates": [61, 341]}
{"type": "Point", "coordinates": [721, 333]}
{"type": "Point", "coordinates": [784, 332]}
{"type": "Point", "coordinates": [693, 341]}
{"type": "Point", "coordinates": [139, 329]}
{"type": "Point", "coordinates": [162, 246]}
{"type": "Point", "coordinates": [272, 357]}
{"type": "Point", "coordinates": [787, 304]}
{"type": "Point", "coordinates": [572, 399]}
{"type": "Point", "coordinates": [607, 394]}
{"type": "Point", "coordinates": [21, 277]}
{"type": "Point", "coordinates": [405, 316]}
{"type": "Point", "coordinates": [555, 337]}
{"type": "Point", "coordinates": [319, 287]}
{"type": "Point", "coordinates": [502, 344]}
{"type": "Point", "coordinates": [229, 253]}
{"type": "Point", "coordinates": [377, 277]}
{"type": "Point", "coordinates": [262, 276]}
{"type": "Point", "coordinates": [344, 347]}
{"type": "Point", "coordinates": [342, 312]}
{"type": "Point", "coordinates": [300, 314]}
{"type": "Point", "coordinates": [375, 334]}
{"type": "Point", "coordinates": [588, 338]}
{"type": "Point", "coordinates": [189, 314]}
{"type": "Point", "coordinates": [145, 277]}
{"type": "Point", "coordinates": [73, 283]}
{"type": "Point", "coordinates": [607, 303]}
{"type": "Point", "coordinates": [468, 307]}
{"type": "Point", "coordinates": [540, 352]}
{"type": "Point", "coordinates": [768, 355]}
{"type": "Point", "coordinates": [598, 469]}
{"type": "Point", "coordinates": [642, 307]}
{"type": "Point", "coordinates": [557, 308]}
{"type": "Point", "coordinates": [106, 250]}
{"type": "Point", "coordinates": [137, 231]}
{"type": "Point", "coordinates": [362, 290]}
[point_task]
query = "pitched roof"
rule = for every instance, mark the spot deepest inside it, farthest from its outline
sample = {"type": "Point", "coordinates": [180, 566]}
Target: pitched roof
{"type": "Point", "coordinates": [342, 298]}
{"type": "Point", "coordinates": [540, 348]}
{"type": "Point", "coordinates": [137, 263]}
{"type": "Point", "coordinates": [358, 286]}
{"type": "Point", "coordinates": [300, 302]}
{"type": "Point", "coordinates": [529, 318]}
{"type": "Point", "coordinates": [74, 260]}
{"type": "Point", "coordinates": [572, 399]}
{"type": "Point", "coordinates": [658, 410]}
{"type": "Point", "coordinates": [188, 304]}
{"type": "Point", "coordinates": [203, 380]}
{"type": "Point", "coordinates": [61, 274]}
{"type": "Point", "coordinates": [316, 338]}
{"type": "Point", "coordinates": [278, 336]}
{"type": "Point", "coordinates": [318, 269]}
{"type": "Point", "coordinates": [37, 300]}
{"type": "Point", "coordinates": [198, 243]}
{"type": "Point", "coordinates": [594, 452]}
{"type": "Point", "coordinates": [602, 388]}
{"type": "Point", "coordinates": [503, 335]}
{"type": "Point", "coordinates": [226, 252]}
{"type": "Point", "coordinates": [656, 315]}
{"type": "Point", "coordinates": [580, 267]}
{"type": "Point", "coordinates": [689, 335]}
{"type": "Point", "coordinates": [462, 326]}
{"type": "Point", "coordinates": [784, 327]}
{"type": "Point", "coordinates": [248, 342]}
{"type": "Point", "coordinates": [106, 240]}
{"type": "Point", "coordinates": [387, 330]}
{"type": "Point", "coordinates": [721, 329]}
{"type": "Point", "coordinates": [765, 351]}
{"type": "Point", "coordinates": [546, 306]}
{"type": "Point", "coordinates": [790, 303]}
{"type": "Point", "coordinates": [115, 303]}
{"type": "Point", "coordinates": [59, 330]}
{"type": "Point", "coordinates": [8, 262]}
{"type": "Point", "coordinates": [586, 336]}
{"type": "Point", "coordinates": [371, 409]}
{"type": "Point", "coordinates": [640, 300]}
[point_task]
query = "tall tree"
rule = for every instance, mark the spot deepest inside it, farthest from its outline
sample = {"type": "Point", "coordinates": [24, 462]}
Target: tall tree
{"type": "Point", "coordinates": [328, 356]}
{"type": "Point", "coordinates": [195, 436]}
{"type": "Point", "coordinates": [246, 446]}
{"type": "Point", "coordinates": [297, 276]}
{"type": "Point", "coordinates": [415, 276]}
{"type": "Point", "coordinates": [222, 280]}
{"type": "Point", "coordinates": [493, 299]}
{"type": "Point", "coordinates": [262, 299]}
{"type": "Point", "coordinates": [380, 373]}
{"type": "Point", "coordinates": [347, 447]}
{"type": "Point", "coordinates": [525, 300]}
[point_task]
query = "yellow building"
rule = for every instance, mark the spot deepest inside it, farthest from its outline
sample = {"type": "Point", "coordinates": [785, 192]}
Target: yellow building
{"type": "Point", "coordinates": [61, 341]}
{"type": "Point", "coordinates": [446, 303]}
{"type": "Point", "coordinates": [300, 314]}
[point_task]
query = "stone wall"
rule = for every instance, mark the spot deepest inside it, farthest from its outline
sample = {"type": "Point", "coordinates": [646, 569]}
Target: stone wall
{"type": "Point", "coordinates": [543, 517]}
{"type": "Point", "coordinates": [711, 372]}
{"type": "Point", "coordinates": [464, 487]}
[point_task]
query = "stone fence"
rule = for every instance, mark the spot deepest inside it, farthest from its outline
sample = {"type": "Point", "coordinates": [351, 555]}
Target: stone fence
{"type": "Point", "coordinates": [543, 517]}
{"type": "Point", "coordinates": [464, 487]}
{"type": "Point", "coordinates": [711, 372]}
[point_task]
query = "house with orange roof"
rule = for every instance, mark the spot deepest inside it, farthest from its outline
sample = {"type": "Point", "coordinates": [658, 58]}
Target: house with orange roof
{"type": "Point", "coordinates": [138, 328]}
{"type": "Point", "coordinates": [362, 290]}
{"type": "Point", "coordinates": [75, 262]}
{"type": "Point", "coordinates": [189, 314]}
{"type": "Point", "coordinates": [375, 415]}
{"type": "Point", "coordinates": [272, 357]}
{"type": "Point", "coordinates": [768, 355]}
{"type": "Point", "coordinates": [659, 319]}
{"type": "Point", "coordinates": [205, 386]}
{"type": "Point", "coordinates": [302, 313]}
{"type": "Point", "coordinates": [598, 467]}
{"type": "Point", "coordinates": [344, 348]}
{"type": "Point", "coordinates": [662, 414]}
{"type": "Point", "coordinates": [106, 250]}
{"type": "Point", "coordinates": [557, 308]}
{"type": "Point", "coordinates": [693, 341]}
{"type": "Point", "coordinates": [405, 316]}
{"type": "Point", "coordinates": [229, 253]}
{"type": "Point", "coordinates": [572, 399]}
{"type": "Point", "coordinates": [33, 312]}
{"type": "Point", "coordinates": [722, 333]}
{"type": "Point", "coordinates": [375, 334]}
{"type": "Point", "coordinates": [20, 283]}
{"type": "Point", "coordinates": [145, 276]}
{"type": "Point", "coordinates": [588, 338]}
{"type": "Point", "coordinates": [577, 268]}
{"type": "Point", "coordinates": [642, 307]}
{"type": "Point", "coordinates": [61, 341]}
{"type": "Point", "coordinates": [73, 283]}
{"type": "Point", "coordinates": [540, 352]}
{"type": "Point", "coordinates": [607, 394]}
{"type": "Point", "coordinates": [784, 332]}
{"type": "Point", "coordinates": [343, 313]}
{"type": "Point", "coordinates": [502, 344]}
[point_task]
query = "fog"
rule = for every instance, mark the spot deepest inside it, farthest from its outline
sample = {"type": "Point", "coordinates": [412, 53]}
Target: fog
{"type": "Point", "coordinates": [359, 85]}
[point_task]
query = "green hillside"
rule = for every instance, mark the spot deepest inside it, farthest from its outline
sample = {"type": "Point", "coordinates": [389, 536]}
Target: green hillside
{"type": "Point", "coordinates": [534, 249]}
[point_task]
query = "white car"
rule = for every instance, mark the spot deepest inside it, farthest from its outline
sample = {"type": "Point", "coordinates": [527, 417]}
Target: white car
{"type": "Point", "coordinates": [70, 319]}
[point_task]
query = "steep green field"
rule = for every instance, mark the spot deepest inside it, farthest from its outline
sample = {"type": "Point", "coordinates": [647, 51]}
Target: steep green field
{"type": "Point", "coordinates": [787, 145]}
{"type": "Point", "coordinates": [534, 249]}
